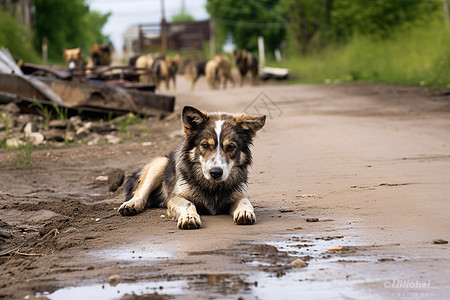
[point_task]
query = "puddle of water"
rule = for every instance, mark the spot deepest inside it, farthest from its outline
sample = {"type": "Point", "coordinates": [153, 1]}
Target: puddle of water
{"type": "Point", "coordinates": [135, 253]}
{"type": "Point", "coordinates": [107, 292]}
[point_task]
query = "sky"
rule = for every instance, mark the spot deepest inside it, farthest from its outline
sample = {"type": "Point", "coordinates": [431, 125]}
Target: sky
{"type": "Point", "coordinates": [125, 13]}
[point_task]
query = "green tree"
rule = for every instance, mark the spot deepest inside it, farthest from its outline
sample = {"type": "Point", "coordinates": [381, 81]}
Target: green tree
{"type": "Point", "coordinates": [315, 23]}
{"type": "Point", "coordinates": [16, 37]}
{"type": "Point", "coordinates": [67, 24]}
{"type": "Point", "coordinates": [244, 21]}
{"type": "Point", "coordinates": [183, 16]}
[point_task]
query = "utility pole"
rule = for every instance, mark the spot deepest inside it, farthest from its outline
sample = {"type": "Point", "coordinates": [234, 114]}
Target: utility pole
{"type": "Point", "coordinates": [212, 38]}
{"type": "Point", "coordinates": [163, 30]}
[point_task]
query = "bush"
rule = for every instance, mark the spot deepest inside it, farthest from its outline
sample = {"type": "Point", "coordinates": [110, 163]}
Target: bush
{"type": "Point", "coordinates": [16, 38]}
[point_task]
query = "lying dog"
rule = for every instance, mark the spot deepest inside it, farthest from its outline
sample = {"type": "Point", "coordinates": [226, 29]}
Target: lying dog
{"type": "Point", "coordinates": [246, 62]}
{"type": "Point", "coordinates": [207, 173]}
{"type": "Point", "coordinates": [74, 58]}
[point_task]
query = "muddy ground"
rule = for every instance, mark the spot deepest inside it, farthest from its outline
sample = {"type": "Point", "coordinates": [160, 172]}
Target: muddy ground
{"type": "Point", "coordinates": [370, 162]}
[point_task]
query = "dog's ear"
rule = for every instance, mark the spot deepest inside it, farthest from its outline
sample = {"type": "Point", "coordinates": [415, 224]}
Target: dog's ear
{"type": "Point", "coordinates": [192, 118]}
{"type": "Point", "coordinates": [250, 124]}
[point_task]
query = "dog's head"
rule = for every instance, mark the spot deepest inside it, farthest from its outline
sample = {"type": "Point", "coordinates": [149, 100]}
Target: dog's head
{"type": "Point", "coordinates": [240, 58]}
{"type": "Point", "coordinates": [218, 144]}
{"type": "Point", "coordinates": [172, 64]}
{"type": "Point", "coordinates": [73, 57]}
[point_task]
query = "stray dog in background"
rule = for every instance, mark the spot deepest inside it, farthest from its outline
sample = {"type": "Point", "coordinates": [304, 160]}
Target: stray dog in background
{"type": "Point", "coordinates": [165, 68]}
{"type": "Point", "coordinates": [145, 62]}
{"type": "Point", "coordinates": [246, 62]}
{"type": "Point", "coordinates": [194, 70]}
{"type": "Point", "coordinates": [74, 58]}
{"type": "Point", "coordinates": [224, 69]}
{"type": "Point", "coordinates": [212, 74]}
{"type": "Point", "coordinates": [158, 68]}
{"type": "Point", "coordinates": [206, 173]}
{"type": "Point", "coordinates": [216, 70]}
{"type": "Point", "coordinates": [101, 55]}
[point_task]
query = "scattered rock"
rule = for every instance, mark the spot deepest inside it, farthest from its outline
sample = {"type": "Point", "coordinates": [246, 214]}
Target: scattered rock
{"type": "Point", "coordinates": [114, 280]}
{"type": "Point", "coordinates": [36, 138]}
{"type": "Point", "coordinates": [11, 108]}
{"type": "Point", "coordinates": [115, 179]}
{"type": "Point", "coordinates": [14, 142]}
{"type": "Point", "coordinates": [298, 263]}
{"type": "Point", "coordinates": [440, 242]}
{"type": "Point", "coordinates": [75, 122]}
{"type": "Point", "coordinates": [82, 132]}
{"type": "Point", "coordinates": [112, 139]}
{"type": "Point", "coordinates": [54, 135]}
{"type": "Point", "coordinates": [102, 178]}
{"type": "Point", "coordinates": [312, 220]}
{"type": "Point", "coordinates": [59, 124]}
{"type": "Point", "coordinates": [30, 128]}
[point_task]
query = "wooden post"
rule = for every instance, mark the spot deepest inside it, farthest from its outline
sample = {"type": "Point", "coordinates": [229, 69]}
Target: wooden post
{"type": "Point", "coordinates": [212, 38]}
{"type": "Point", "coordinates": [163, 30]}
{"type": "Point", "coordinates": [262, 58]}
{"type": "Point", "coordinates": [44, 50]}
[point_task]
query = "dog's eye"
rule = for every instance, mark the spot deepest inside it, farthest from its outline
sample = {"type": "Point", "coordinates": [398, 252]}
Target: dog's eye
{"type": "Point", "coordinates": [230, 148]}
{"type": "Point", "coordinates": [205, 146]}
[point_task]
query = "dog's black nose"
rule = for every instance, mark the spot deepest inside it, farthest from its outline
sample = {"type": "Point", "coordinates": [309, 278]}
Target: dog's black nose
{"type": "Point", "coordinates": [216, 173]}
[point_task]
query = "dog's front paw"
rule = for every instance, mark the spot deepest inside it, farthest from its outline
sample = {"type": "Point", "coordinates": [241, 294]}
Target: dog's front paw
{"type": "Point", "coordinates": [189, 221]}
{"type": "Point", "coordinates": [130, 208]}
{"type": "Point", "coordinates": [244, 217]}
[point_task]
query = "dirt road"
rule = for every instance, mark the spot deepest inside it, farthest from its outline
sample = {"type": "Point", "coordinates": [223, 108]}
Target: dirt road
{"type": "Point", "coordinates": [371, 162]}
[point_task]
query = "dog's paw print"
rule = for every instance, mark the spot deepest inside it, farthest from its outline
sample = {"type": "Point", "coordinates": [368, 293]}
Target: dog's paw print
{"type": "Point", "coordinates": [244, 217]}
{"type": "Point", "coordinates": [189, 221]}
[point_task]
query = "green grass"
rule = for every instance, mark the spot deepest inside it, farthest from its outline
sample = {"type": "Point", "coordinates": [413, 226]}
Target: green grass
{"type": "Point", "coordinates": [414, 56]}
{"type": "Point", "coordinates": [22, 159]}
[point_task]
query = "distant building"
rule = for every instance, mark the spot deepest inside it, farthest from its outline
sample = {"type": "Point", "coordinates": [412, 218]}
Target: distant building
{"type": "Point", "coordinates": [189, 36]}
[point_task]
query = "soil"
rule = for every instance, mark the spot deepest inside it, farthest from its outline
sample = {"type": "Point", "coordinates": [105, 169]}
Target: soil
{"type": "Point", "coordinates": [368, 163]}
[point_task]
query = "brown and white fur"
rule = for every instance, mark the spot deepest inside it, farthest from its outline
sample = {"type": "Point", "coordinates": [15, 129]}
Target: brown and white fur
{"type": "Point", "coordinates": [74, 58]}
{"type": "Point", "coordinates": [206, 173]}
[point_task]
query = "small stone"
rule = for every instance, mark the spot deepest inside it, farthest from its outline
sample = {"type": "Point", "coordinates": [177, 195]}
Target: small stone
{"type": "Point", "coordinates": [75, 122]}
{"type": "Point", "coordinates": [14, 142]}
{"type": "Point", "coordinates": [298, 263]}
{"type": "Point", "coordinates": [10, 107]}
{"type": "Point", "coordinates": [102, 178]}
{"type": "Point", "coordinates": [312, 220]}
{"type": "Point", "coordinates": [147, 143]}
{"type": "Point", "coordinates": [112, 139]}
{"type": "Point", "coordinates": [60, 124]}
{"type": "Point", "coordinates": [114, 280]}
{"type": "Point", "coordinates": [54, 135]}
{"type": "Point", "coordinates": [82, 132]}
{"type": "Point", "coordinates": [29, 129]}
{"type": "Point", "coordinates": [70, 136]}
{"type": "Point", "coordinates": [115, 179]}
{"type": "Point", "coordinates": [440, 242]}
{"type": "Point", "coordinates": [36, 138]}
{"type": "Point", "coordinates": [162, 216]}
{"type": "Point", "coordinates": [97, 219]}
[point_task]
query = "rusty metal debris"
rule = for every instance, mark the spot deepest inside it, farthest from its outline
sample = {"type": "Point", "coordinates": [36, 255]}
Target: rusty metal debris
{"type": "Point", "coordinates": [103, 90]}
